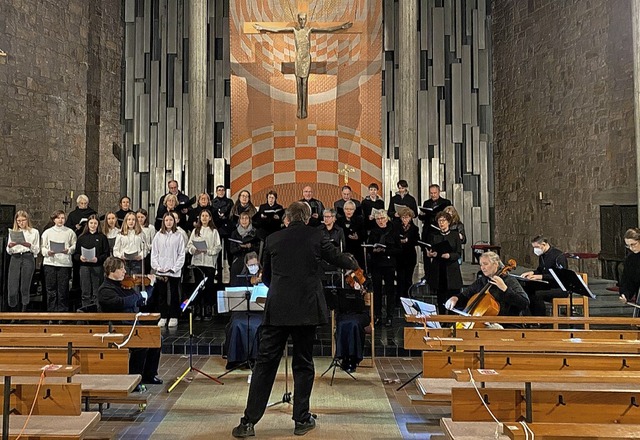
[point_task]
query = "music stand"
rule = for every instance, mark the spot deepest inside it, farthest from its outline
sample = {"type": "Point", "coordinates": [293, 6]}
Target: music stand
{"type": "Point", "coordinates": [188, 306]}
{"type": "Point", "coordinates": [571, 282]}
{"type": "Point", "coordinates": [342, 300]}
{"type": "Point", "coordinates": [233, 299]}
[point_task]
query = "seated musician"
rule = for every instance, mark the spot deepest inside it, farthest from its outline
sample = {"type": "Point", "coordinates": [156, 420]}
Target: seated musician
{"type": "Point", "coordinates": [243, 321]}
{"type": "Point", "coordinates": [113, 298]}
{"type": "Point", "coordinates": [549, 257]}
{"type": "Point", "coordinates": [630, 278]}
{"type": "Point", "coordinates": [350, 335]}
{"type": "Point", "coordinates": [507, 291]}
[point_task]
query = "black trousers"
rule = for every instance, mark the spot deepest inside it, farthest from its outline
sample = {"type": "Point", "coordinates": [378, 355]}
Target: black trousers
{"type": "Point", "coordinates": [273, 340]}
{"type": "Point", "coordinates": [537, 298]}
{"type": "Point", "coordinates": [144, 361]}
{"type": "Point", "coordinates": [378, 275]}
{"type": "Point", "coordinates": [57, 287]}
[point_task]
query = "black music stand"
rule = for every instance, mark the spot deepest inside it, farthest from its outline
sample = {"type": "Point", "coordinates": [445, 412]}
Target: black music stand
{"type": "Point", "coordinates": [245, 297]}
{"type": "Point", "coordinates": [571, 282]}
{"type": "Point", "coordinates": [342, 300]}
{"type": "Point", "coordinates": [188, 306]}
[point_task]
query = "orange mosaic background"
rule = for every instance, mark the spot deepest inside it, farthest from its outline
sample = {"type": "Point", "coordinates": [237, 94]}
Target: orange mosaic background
{"type": "Point", "coordinates": [270, 147]}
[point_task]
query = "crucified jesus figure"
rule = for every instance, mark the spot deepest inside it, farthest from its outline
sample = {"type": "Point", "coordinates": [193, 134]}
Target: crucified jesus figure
{"type": "Point", "coordinates": [302, 36]}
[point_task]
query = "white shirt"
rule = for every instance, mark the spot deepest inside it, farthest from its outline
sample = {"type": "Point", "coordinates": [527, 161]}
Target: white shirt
{"type": "Point", "coordinates": [131, 243]}
{"type": "Point", "coordinates": [30, 235]}
{"type": "Point", "coordinates": [212, 238]}
{"type": "Point", "coordinates": [57, 234]}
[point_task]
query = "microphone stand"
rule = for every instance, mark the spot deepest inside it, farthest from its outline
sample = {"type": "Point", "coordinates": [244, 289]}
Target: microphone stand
{"type": "Point", "coordinates": [188, 305]}
{"type": "Point", "coordinates": [247, 299]}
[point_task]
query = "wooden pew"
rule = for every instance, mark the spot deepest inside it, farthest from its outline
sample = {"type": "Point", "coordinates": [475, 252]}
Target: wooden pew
{"type": "Point", "coordinates": [91, 360]}
{"type": "Point", "coordinates": [414, 336]}
{"type": "Point", "coordinates": [54, 427]}
{"type": "Point", "coordinates": [543, 431]}
{"type": "Point", "coordinates": [589, 405]}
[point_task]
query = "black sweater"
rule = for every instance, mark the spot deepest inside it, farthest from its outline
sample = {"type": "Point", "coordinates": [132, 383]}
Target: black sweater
{"type": "Point", "coordinates": [98, 241]}
{"type": "Point", "coordinates": [114, 299]}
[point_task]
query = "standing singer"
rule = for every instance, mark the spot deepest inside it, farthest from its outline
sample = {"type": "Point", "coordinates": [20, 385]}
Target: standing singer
{"type": "Point", "coordinates": [295, 306]}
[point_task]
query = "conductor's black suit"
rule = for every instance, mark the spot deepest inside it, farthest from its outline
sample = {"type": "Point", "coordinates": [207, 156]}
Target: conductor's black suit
{"type": "Point", "coordinates": [295, 306]}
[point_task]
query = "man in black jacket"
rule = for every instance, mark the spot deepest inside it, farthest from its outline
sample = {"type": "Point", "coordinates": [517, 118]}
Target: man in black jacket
{"type": "Point", "coordinates": [295, 306]}
{"type": "Point", "coordinates": [549, 257]}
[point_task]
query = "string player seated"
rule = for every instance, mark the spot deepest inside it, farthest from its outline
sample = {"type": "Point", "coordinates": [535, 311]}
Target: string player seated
{"type": "Point", "coordinates": [507, 291]}
{"type": "Point", "coordinates": [243, 321]}
{"type": "Point", "coordinates": [352, 317]}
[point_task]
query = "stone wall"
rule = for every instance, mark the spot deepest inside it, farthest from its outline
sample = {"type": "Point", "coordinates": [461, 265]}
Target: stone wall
{"type": "Point", "coordinates": [60, 103]}
{"type": "Point", "coordinates": [563, 120]}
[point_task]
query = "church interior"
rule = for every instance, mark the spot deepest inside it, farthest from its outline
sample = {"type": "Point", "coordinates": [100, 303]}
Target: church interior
{"type": "Point", "coordinates": [523, 115]}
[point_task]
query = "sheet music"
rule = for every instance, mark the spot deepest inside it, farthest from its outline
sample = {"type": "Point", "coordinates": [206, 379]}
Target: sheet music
{"type": "Point", "coordinates": [88, 254]}
{"type": "Point", "coordinates": [200, 245]}
{"type": "Point", "coordinates": [419, 308]}
{"type": "Point", "coordinates": [520, 277]}
{"type": "Point", "coordinates": [17, 237]}
{"type": "Point", "coordinates": [399, 207]}
{"type": "Point", "coordinates": [56, 247]}
{"type": "Point", "coordinates": [235, 241]}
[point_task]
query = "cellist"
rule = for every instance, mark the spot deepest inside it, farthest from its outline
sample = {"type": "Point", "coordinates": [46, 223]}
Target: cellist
{"type": "Point", "coordinates": [506, 291]}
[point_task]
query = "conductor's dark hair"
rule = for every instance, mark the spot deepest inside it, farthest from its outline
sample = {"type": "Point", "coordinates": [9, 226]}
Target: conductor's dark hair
{"type": "Point", "coordinates": [540, 239]}
{"type": "Point", "coordinates": [299, 212]}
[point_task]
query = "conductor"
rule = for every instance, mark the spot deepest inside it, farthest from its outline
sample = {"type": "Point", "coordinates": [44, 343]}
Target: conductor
{"type": "Point", "coordinates": [295, 307]}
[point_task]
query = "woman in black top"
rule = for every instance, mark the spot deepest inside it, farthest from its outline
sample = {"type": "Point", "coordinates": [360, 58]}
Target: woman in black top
{"type": "Point", "coordinates": [91, 273]}
{"type": "Point", "coordinates": [355, 233]}
{"type": "Point", "coordinates": [242, 241]}
{"type": "Point", "coordinates": [443, 275]}
{"type": "Point", "coordinates": [243, 204]}
{"type": "Point", "coordinates": [407, 260]}
{"type": "Point", "coordinates": [268, 219]}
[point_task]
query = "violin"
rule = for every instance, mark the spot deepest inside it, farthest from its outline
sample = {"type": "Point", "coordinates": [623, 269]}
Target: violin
{"type": "Point", "coordinates": [356, 279]}
{"type": "Point", "coordinates": [483, 303]}
{"type": "Point", "coordinates": [130, 281]}
{"type": "Point", "coordinates": [257, 278]}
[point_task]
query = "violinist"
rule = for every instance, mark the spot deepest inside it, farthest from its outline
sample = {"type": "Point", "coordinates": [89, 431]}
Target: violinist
{"type": "Point", "coordinates": [113, 298]}
{"type": "Point", "coordinates": [350, 327]}
{"type": "Point", "coordinates": [507, 291]}
{"type": "Point", "coordinates": [242, 321]}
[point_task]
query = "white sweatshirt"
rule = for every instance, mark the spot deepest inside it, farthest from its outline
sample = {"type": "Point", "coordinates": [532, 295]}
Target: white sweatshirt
{"type": "Point", "coordinates": [131, 243]}
{"type": "Point", "coordinates": [60, 234]}
{"type": "Point", "coordinates": [212, 238]}
{"type": "Point", "coordinates": [167, 254]}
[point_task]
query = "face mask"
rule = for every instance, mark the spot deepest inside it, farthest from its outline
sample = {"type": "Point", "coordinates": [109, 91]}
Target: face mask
{"type": "Point", "coordinates": [538, 251]}
{"type": "Point", "coordinates": [253, 269]}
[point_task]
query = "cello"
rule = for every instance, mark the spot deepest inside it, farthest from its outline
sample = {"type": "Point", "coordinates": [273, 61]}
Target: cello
{"type": "Point", "coordinates": [483, 303]}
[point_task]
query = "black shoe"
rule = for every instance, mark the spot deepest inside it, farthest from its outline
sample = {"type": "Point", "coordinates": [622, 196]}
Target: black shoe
{"type": "Point", "coordinates": [388, 323]}
{"type": "Point", "coordinates": [243, 430]}
{"type": "Point", "coordinates": [303, 427]}
{"type": "Point", "coordinates": [153, 381]}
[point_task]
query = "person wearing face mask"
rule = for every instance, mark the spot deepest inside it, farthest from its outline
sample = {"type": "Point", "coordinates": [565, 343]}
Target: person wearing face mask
{"type": "Point", "coordinates": [91, 273]}
{"type": "Point", "coordinates": [242, 321]}
{"type": "Point", "coordinates": [549, 257]}
{"type": "Point", "coordinates": [630, 278]}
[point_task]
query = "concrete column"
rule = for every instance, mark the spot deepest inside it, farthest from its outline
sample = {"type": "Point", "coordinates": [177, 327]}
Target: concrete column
{"type": "Point", "coordinates": [407, 98]}
{"type": "Point", "coordinates": [635, 12]}
{"type": "Point", "coordinates": [197, 166]}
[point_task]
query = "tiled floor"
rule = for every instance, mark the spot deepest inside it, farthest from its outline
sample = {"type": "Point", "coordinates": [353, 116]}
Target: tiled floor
{"type": "Point", "coordinates": [125, 422]}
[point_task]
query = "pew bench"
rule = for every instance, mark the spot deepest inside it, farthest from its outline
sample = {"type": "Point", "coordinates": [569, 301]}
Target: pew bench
{"type": "Point", "coordinates": [54, 427]}
{"type": "Point", "coordinates": [542, 431]}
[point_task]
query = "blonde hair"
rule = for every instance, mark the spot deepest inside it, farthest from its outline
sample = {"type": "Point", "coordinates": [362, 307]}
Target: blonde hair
{"type": "Point", "coordinates": [125, 227]}
{"type": "Point", "coordinates": [170, 197]}
{"type": "Point", "coordinates": [455, 217]}
{"type": "Point", "coordinates": [24, 214]}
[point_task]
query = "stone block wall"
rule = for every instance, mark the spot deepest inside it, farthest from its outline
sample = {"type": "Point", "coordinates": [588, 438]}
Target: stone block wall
{"type": "Point", "coordinates": [59, 103]}
{"type": "Point", "coordinates": [563, 121]}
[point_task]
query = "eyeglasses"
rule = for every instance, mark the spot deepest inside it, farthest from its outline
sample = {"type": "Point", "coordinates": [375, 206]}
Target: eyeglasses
{"type": "Point", "coordinates": [630, 245]}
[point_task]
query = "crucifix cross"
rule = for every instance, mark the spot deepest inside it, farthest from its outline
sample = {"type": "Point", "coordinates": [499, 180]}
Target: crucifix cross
{"type": "Point", "coordinates": [345, 170]}
{"type": "Point", "coordinates": [301, 31]}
